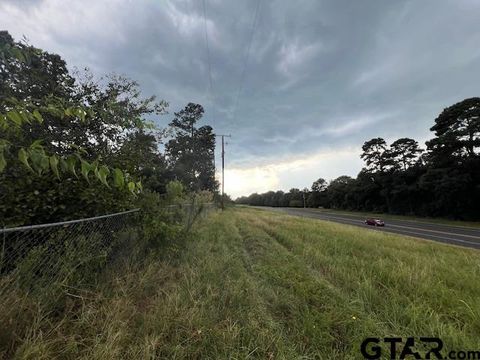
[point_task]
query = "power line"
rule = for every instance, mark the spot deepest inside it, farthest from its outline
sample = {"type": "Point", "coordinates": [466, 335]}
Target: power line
{"type": "Point", "coordinates": [208, 48]}
{"type": "Point", "coordinates": [242, 77]}
{"type": "Point", "coordinates": [210, 89]}
{"type": "Point", "coordinates": [247, 55]}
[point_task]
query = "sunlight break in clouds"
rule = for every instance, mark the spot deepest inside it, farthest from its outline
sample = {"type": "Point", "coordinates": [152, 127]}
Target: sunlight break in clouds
{"type": "Point", "coordinates": [293, 172]}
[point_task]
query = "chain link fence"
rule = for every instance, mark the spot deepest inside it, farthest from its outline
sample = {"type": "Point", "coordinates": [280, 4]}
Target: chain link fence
{"type": "Point", "coordinates": [33, 256]}
{"type": "Point", "coordinates": [74, 252]}
{"type": "Point", "coordinates": [188, 212]}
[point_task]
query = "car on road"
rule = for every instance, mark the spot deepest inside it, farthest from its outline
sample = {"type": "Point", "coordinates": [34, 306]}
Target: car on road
{"type": "Point", "coordinates": [375, 222]}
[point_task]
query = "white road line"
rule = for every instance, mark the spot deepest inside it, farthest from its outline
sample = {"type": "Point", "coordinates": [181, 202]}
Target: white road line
{"type": "Point", "coordinates": [439, 237]}
{"type": "Point", "coordinates": [417, 222]}
{"type": "Point", "coordinates": [409, 227]}
{"type": "Point", "coordinates": [357, 222]}
{"type": "Point", "coordinates": [435, 231]}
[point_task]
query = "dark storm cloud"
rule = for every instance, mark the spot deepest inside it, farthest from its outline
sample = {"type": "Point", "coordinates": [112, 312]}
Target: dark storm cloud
{"type": "Point", "coordinates": [320, 75]}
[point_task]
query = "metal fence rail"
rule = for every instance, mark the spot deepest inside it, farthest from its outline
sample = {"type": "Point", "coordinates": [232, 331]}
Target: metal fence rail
{"type": "Point", "coordinates": [73, 252]}
{"type": "Point", "coordinates": [64, 223]}
{"type": "Point", "coordinates": [32, 256]}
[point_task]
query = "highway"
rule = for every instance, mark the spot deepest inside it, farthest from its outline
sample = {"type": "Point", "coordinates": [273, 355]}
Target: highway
{"type": "Point", "coordinates": [457, 235]}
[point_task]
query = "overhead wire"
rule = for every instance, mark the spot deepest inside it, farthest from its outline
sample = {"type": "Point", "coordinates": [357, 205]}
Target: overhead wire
{"type": "Point", "coordinates": [245, 62]}
{"type": "Point", "coordinates": [210, 82]}
{"type": "Point", "coordinates": [207, 46]}
{"type": "Point", "coordinates": [209, 62]}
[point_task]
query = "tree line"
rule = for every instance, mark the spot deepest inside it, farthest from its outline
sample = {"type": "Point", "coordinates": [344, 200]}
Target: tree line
{"type": "Point", "coordinates": [73, 145]}
{"type": "Point", "coordinates": [442, 180]}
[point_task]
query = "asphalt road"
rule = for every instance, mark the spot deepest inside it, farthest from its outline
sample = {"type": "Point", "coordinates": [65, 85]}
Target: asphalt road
{"type": "Point", "coordinates": [457, 235]}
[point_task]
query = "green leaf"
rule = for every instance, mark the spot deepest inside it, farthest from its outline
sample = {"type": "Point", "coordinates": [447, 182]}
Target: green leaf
{"type": "Point", "coordinates": [15, 117]}
{"type": "Point", "coordinates": [37, 145]}
{"type": "Point", "coordinates": [55, 110]}
{"type": "Point", "coordinates": [3, 162]}
{"type": "Point", "coordinates": [139, 185]}
{"type": "Point", "coordinates": [23, 157]}
{"type": "Point", "coordinates": [118, 179]}
{"type": "Point", "coordinates": [44, 161]}
{"type": "Point", "coordinates": [71, 165]}
{"type": "Point", "coordinates": [131, 187]}
{"type": "Point", "coordinates": [3, 121]}
{"type": "Point", "coordinates": [54, 166]}
{"type": "Point", "coordinates": [40, 161]}
{"type": "Point", "coordinates": [25, 116]}
{"type": "Point", "coordinates": [38, 116]}
{"type": "Point", "coordinates": [63, 165]}
{"type": "Point", "coordinates": [86, 168]}
{"type": "Point", "coordinates": [103, 173]}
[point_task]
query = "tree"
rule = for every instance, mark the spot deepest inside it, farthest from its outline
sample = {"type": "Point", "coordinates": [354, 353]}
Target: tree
{"type": "Point", "coordinates": [405, 153]}
{"type": "Point", "coordinates": [453, 161]}
{"type": "Point", "coordinates": [280, 198]}
{"type": "Point", "coordinates": [97, 116]}
{"type": "Point", "coordinates": [28, 73]}
{"type": "Point", "coordinates": [191, 152]}
{"type": "Point", "coordinates": [457, 133]}
{"type": "Point", "coordinates": [375, 155]}
{"type": "Point", "coordinates": [338, 191]}
{"type": "Point", "coordinates": [37, 185]}
{"type": "Point", "coordinates": [117, 113]}
{"type": "Point", "coordinates": [139, 154]}
{"type": "Point", "coordinates": [319, 185]}
{"type": "Point", "coordinates": [317, 196]}
{"type": "Point", "coordinates": [51, 166]}
{"type": "Point", "coordinates": [402, 187]}
{"type": "Point", "coordinates": [294, 197]}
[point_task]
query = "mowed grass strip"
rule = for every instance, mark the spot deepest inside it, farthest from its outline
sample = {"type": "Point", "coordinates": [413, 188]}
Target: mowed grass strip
{"type": "Point", "coordinates": [255, 284]}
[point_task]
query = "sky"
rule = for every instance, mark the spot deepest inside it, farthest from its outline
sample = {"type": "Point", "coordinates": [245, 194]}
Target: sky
{"type": "Point", "coordinates": [300, 85]}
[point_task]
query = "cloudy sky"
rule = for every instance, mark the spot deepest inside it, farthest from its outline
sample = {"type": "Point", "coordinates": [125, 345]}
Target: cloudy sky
{"type": "Point", "coordinates": [300, 85]}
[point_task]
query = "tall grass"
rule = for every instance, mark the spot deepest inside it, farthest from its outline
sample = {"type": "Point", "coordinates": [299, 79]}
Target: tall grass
{"type": "Point", "coordinates": [253, 284]}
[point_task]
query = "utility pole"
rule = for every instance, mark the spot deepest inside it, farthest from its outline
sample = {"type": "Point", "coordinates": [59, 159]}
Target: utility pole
{"type": "Point", "coordinates": [223, 168]}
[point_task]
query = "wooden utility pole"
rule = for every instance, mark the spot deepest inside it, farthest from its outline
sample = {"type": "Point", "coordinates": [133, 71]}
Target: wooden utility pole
{"type": "Point", "coordinates": [223, 168]}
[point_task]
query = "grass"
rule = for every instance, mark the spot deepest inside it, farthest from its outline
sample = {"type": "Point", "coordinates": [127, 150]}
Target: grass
{"type": "Point", "coordinates": [256, 284]}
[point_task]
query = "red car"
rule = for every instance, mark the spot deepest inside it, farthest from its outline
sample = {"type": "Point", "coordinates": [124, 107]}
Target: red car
{"type": "Point", "coordinates": [375, 222]}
